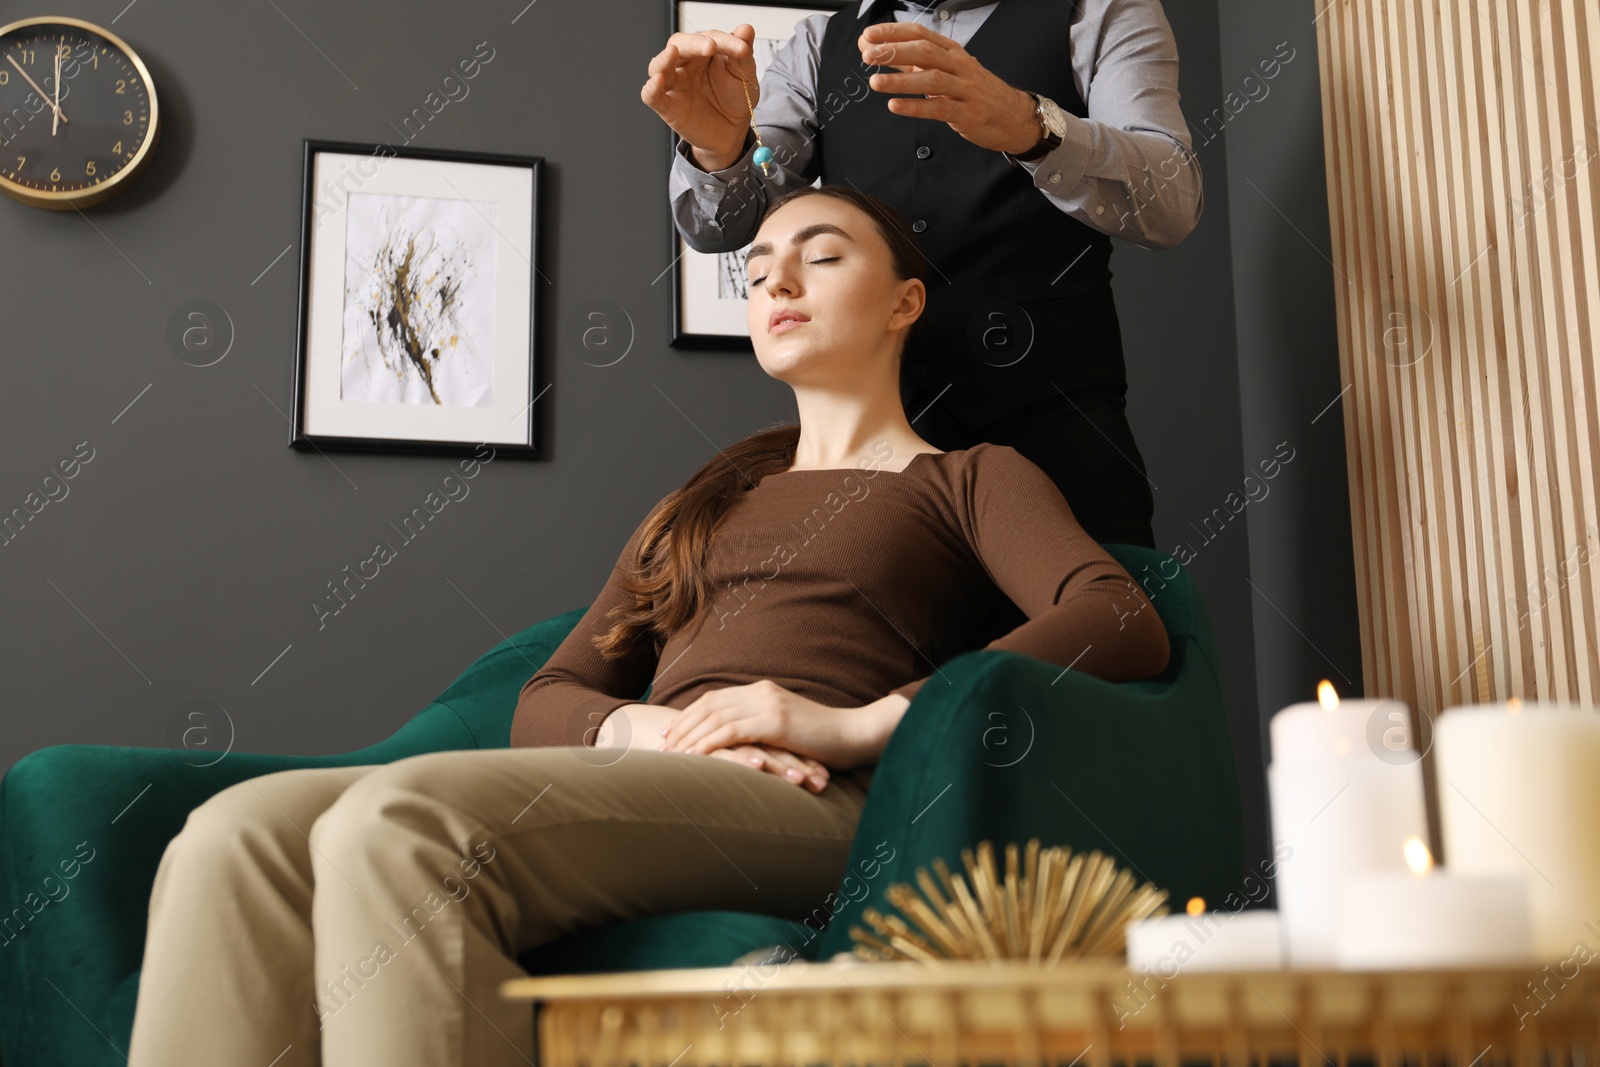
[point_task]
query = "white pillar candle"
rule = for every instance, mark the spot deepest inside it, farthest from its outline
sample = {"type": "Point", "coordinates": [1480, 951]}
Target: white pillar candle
{"type": "Point", "coordinates": [1344, 795]}
{"type": "Point", "coordinates": [1519, 793]}
{"type": "Point", "coordinates": [1423, 917]}
{"type": "Point", "coordinates": [1199, 940]}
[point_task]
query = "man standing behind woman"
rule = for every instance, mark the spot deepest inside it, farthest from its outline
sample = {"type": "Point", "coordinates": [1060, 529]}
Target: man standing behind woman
{"type": "Point", "coordinates": [1020, 136]}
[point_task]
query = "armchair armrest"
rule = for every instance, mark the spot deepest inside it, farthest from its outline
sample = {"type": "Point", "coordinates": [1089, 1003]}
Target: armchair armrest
{"type": "Point", "coordinates": [83, 828]}
{"type": "Point", "coordinates": [1014, 747]}
{"type": "Point", "coordinates": [82, 831]}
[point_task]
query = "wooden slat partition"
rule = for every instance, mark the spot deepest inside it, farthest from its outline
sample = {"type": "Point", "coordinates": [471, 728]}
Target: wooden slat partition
{"type": "Point", "coordinates": [1463, 166]}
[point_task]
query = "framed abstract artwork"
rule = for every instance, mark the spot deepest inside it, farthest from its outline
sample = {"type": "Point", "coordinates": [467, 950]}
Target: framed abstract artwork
{"type": "Point", "coordinates": [710, 288]}
{"type": "Point", "coordinates": [418, 300]}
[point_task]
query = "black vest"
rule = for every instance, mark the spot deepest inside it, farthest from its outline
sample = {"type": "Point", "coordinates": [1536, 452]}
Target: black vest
{"type": "Point", "coordinates": [1019, 292]}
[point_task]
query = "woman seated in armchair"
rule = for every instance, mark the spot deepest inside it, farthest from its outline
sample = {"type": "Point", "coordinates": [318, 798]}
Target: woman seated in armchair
{"type": "Point", "coordinates": [782, 608]}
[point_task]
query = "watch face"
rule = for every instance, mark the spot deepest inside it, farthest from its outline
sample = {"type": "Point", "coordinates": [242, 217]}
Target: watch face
{"type": "Point", "coordinates": [81, 111]}
{"type": "Point", "coordinates": [1055, 119]}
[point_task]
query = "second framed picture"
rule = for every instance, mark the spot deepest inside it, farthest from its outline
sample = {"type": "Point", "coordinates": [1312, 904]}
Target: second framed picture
{"type": "Point", "coordinates": [710, 289]}
{"type": "Point", "coordinates": [418, 300]}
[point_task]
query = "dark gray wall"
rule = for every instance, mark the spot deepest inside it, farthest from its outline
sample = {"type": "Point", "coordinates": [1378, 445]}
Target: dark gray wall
{"type": "Point", "coordinates": [1301, 580]}
{"type": "Point", "coordinates": [183, 563]}
{"type": "Point", "coordinates": [1176, 306]}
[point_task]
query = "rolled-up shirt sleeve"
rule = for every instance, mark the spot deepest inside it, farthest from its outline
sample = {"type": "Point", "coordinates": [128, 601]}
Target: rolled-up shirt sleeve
{"type": "Point", "coordinates": [565, 702]}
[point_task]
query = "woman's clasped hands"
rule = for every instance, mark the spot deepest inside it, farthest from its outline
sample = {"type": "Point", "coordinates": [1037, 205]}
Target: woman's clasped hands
{"type": "Point", "coordinates": [772, 728]}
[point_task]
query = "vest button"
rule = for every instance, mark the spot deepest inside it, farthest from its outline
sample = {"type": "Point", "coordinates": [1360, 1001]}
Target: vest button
{"type": "Point", "coordinates": [923, 151]}
{"type": "Point", "coordinates": [919, 225]}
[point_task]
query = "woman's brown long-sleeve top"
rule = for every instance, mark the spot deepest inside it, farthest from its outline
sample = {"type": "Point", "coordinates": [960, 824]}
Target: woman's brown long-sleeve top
{"type": "Point", "coordinates": [844, 585]}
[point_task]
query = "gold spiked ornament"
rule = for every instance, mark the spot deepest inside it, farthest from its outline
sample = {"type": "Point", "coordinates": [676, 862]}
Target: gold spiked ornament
{"type": "Point", "coordinates": [1063, 906]}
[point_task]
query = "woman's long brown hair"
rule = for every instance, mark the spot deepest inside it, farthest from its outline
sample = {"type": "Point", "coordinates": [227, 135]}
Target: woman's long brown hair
{"type": "Point", "coordinates": [668, 580]}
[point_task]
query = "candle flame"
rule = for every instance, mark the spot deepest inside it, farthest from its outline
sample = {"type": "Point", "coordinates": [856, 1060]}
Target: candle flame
{"type": "Point", "coordinates": [1418, 858]}
{"type": "Point", "coordinates": [1514, 705]}
{"type": "Point", "coordinates": [1196, 905]}
{"type": "Point", "coordinates": [1326, 695]}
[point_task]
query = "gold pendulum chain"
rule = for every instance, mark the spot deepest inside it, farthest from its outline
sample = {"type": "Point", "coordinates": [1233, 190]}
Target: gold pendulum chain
{"type": "Point", "coordinates": [762, 156]}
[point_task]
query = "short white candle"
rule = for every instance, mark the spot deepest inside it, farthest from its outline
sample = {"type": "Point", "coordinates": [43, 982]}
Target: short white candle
{"type": "Point", "coordinates": [1519, 793]}
{"type": "Point", "coordinates": [1199, 940]}
{"type": "Point", "coordinates": [1426, 918]}
{"type": "Point", "coordinates": [1345, 789]}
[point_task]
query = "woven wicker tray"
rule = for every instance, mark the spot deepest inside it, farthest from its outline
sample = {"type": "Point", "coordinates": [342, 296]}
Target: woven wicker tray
{"type": "Point", "coordinates": [1089, 1013]}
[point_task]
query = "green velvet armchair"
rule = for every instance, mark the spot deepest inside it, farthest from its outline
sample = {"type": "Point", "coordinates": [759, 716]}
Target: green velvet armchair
{"type": "Point", "coordinates": [1014, 748]}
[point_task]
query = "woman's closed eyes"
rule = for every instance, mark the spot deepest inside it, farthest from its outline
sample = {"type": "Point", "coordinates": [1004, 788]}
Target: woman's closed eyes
{"type": "Point", "coordinates": [758, 281]}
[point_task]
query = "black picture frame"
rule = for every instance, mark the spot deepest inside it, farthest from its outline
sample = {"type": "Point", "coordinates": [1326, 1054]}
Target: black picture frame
{"type": "Point", "coordinates": [683, 257]}
{"type": "Point", "coordinates": [525, 443]}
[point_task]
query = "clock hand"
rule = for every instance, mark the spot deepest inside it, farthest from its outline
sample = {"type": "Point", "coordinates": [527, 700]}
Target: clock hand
{"type": "Point", "coordinates": [56, 118]}
{"type": "Point", "coordinates": [61, 114]}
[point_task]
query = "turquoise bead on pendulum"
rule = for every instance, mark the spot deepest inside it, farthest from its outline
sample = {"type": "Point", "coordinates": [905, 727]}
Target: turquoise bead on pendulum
{"type": "Point", "coordinates": [762, 156]}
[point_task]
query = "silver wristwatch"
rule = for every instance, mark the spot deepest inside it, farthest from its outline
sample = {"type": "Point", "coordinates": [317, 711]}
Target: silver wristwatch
{"type": "Point", "coordinates": [1053, 123]}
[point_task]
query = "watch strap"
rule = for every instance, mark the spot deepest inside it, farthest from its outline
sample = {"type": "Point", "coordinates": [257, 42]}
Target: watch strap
{"type": "Point", "coordinates": [1046, 142]}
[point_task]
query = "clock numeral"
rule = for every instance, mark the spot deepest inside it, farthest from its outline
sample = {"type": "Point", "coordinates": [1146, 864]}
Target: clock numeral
{"type": "Point", "coordinates": [64, 50]}
{"type": "Point", "coordinates": [89, 168]}
{"type": "Point", "coordinates": [116, 149]}
{"type": "Point", "coordinates": [5, 76]}
{"type": "Point", "coordinates": [26, 54]}
{"type": "Point", "coordinates": [55, 174]}
{"type": "Point", "coordinates": [122, 86]}
{"type": "Point", "coordinates": [20, 161]}
{"type": "Point", "coordinates": [127, 118]}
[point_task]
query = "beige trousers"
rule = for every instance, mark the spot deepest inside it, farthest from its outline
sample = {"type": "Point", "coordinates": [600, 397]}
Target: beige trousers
{"type": "Point", "coordinates": [367, 915]}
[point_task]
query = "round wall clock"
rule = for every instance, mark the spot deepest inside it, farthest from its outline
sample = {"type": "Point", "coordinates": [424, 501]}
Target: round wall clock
{"type": "Point", "coordinates": [78, 118]}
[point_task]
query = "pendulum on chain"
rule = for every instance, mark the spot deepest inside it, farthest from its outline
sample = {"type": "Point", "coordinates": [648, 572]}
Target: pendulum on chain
{"type": "Point", "coordinates": [762, 156]}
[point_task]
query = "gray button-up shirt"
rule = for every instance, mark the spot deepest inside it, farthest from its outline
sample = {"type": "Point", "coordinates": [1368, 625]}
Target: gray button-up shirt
{"type": "Point", "coordinates": [1127, 170]}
